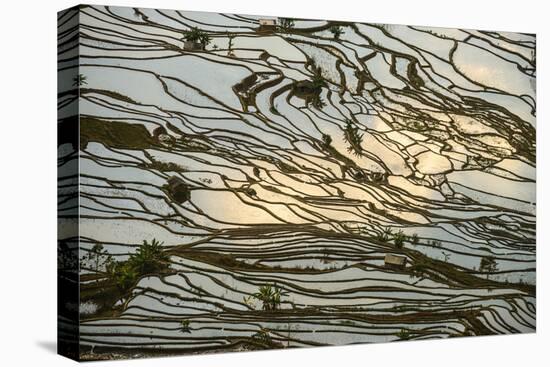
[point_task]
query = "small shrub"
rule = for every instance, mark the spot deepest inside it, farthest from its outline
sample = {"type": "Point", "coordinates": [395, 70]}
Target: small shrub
{"type": "Point", "coordinates": [123, 274]}
{"type": "Point", "coordinates": [419, 268]}
{"type": "Point", "coordinates": [286, 24]}
{"type": "Point", "coordinates": [327, 139]}
{"type": "Point", "coordinates": [336, 31]}
{"type": "Point", "coordinates": [230, 42]}
{"type": "Point", "coordinates": [385, 235]}
{"type": "Point", "coordinates": [184, 326]}
{"type": "Point", "coordinates": [264, 337]}
{"type": "Point", "coordinates": [399, 239]}
{"type": "Point", "coordinates": [162, 166]}
{"type": "Point", "coordinates": [79, 80]}
{"type": "Point", "coordinates": [435, 243]}
{"type": "Point", "coordinates": [148, 259]}
{"type": "Point", "coordinates": [97, 258]}
{"type": "Point", "coordinates": [404, 334]}
{"type": "Point", "coordinates": [354, 138]}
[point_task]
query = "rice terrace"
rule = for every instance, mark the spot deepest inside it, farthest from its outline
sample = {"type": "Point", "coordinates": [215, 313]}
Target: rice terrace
{"type": "Point", "coordinates": [249, 182]}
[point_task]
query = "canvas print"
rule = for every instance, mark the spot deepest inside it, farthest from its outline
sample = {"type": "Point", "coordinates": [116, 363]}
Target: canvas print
{"type": "Point", "coordinates": [235, 183]}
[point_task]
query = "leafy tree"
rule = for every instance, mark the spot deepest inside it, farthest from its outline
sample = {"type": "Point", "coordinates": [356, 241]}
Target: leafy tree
{"type": "Point", "coordinates": [270, 296]}
{"type": "Point", "coordinates": [79, 80]}
{"type": "Point", "coordinates": [286, 24]}
{"type": "Point", "coordinates": [97, 258]}
{"type": "Point", "coordinates": [385, 235]}
{"type": "Point", "coordinates": [336, 31]}
{"type": "Point", "coordinates": [399, 239]}
{"type": "Point", "coordinates": [184, 326]}
{"type": "Point", "coordinates": [197, 35]}
{"type": "Point", "coordinates": [149, 258]}
{"type": "Point", "coordinates": [488, 264]}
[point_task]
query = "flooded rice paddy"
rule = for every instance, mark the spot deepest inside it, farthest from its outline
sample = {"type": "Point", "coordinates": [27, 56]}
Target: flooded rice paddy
{"type": "Point", "coordinates": [263, 181]}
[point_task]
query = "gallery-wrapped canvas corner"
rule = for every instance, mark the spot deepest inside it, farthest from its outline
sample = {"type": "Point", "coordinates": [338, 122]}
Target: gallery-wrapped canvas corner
{"type": "Point", "coordinates": [233, 183]}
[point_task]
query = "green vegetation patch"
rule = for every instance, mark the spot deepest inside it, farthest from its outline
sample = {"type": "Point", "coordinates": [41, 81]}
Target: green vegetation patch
{"type": "Point", "coordinates": [162, 166]}
{"type": "Point", "coordinates": [114, 279]}
{"type": "Point", "coordinates": [115, 134]}
{"type": "Point", "coordinates": [270, 296]}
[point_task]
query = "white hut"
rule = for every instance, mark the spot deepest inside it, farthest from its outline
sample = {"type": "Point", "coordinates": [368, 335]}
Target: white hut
{"type": "Point", "coordinates": [267, 22]}
{"type": "Point", "coordinates": [395, 260]}
{"type": "Point", "coordinates": [267, 25]}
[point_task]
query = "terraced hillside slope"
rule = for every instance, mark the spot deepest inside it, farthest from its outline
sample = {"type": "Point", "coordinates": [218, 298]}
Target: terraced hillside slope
{"type": "Point", "coordinates": [296, 182]}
